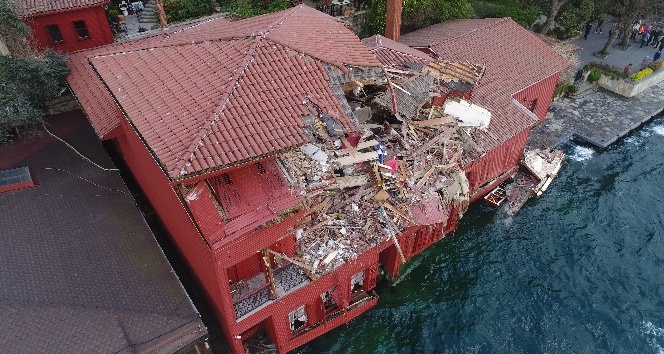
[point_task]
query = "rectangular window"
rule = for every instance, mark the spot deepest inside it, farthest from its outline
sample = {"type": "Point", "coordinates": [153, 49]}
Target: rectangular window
{"type": "Point", "coordinates": [55, 34]}
{"type": "Point", "coordinates": [357, 282]}
{"type": "Point", "coordinates": [297, 319]}
{"type": "Point", "coordinates": [81, 30]}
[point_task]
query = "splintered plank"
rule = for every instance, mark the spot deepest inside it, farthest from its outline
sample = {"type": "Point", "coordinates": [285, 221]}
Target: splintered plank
{"type": "Point", "coordinates": [447, 119]}
{"type": "Point", "coordinates": [360, 157]}
{"type": "Point", "coordinates": [360, 146]}
{"type": "Point", "coordinates": [350, 181]}
{"type": "Point", "coordinates": [432, 142]}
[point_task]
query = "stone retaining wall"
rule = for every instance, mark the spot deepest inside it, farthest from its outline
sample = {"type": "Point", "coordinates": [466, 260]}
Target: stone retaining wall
{"type": "Point", "coordinates": [630, 88]}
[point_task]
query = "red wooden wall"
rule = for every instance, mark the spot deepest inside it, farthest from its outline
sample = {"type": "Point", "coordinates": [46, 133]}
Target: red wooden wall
{"type": "Point", "coordinates": [542, 91]}
{"type": "Point", "coordinates": [95, 21]}
{"type": "Point", "coordinates": [496, 162]}
{"type": "Point", "coordinates": [506, 156]}
{"type": "Point", "coordinates": [167, 204]}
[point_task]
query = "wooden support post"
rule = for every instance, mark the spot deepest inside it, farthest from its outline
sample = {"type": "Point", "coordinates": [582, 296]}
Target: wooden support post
{"type": "Point", "coordinates": [269, 273]}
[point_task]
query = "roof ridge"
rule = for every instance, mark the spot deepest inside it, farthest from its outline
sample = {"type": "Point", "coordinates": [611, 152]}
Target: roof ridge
{"type": "Point", "coordinates": [226, 96]}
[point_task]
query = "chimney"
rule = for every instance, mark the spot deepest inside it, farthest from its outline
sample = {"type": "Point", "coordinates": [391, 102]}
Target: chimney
{"type": "Point", "coordinates": [161, 13]}
{"type": "Point", "coordinates": [393, 20]}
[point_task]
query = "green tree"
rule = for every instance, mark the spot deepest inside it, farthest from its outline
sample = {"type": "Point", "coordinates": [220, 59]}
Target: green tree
{"type": "Point", "coordinates": [573, 15]}
{"type": "Point", "coordinates": [554, 7]}
{"type": "Point", "coordinates": [523, 13]}
{"type": "Point", "coordinates": [13, 32]}
{"type": "Point", "coordinates": [250, 8]}
{"type": "Point", "coordinates": [180, 10]}
{"type": "Point", "coordinates": [27, 79]}
{"type": "Point", "coordinates": [416, 14]}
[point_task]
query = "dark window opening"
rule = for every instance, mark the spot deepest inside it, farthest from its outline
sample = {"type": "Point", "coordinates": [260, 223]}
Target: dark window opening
{"type": "Point", "coordinates": [357, 282]}
{"type": "Point", "coordinates": [55, 34]}
{"type": "Point", "coordinates": [532, 104]}
{"type": "Point", "coordinates": [81, 29]}
{"type": "Point", "coordinates": [298, 319]}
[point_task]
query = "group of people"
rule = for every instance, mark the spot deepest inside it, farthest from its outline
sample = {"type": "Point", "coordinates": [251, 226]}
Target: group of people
{"type": "Point", "coordinates": [648, 35]}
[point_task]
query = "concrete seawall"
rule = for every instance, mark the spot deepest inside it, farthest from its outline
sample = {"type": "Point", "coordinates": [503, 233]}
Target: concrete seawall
{"type": "Point", "coordinates": [599, 118]}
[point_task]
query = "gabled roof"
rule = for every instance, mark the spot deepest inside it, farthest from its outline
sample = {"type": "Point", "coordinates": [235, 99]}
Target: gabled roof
{"type": "Point", "coordinates": [34, 7]}
{"type": "Point", "coordinates": [515, 59]}
{"type": "Point", "coordinates": [390, 53]}
{"type": "Point", "coordinates": [216, 95]}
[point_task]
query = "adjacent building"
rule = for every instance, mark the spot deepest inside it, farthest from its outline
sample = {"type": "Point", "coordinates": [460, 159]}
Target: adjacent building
{"type": "Point", "coordinates": [66, 25]}
{"type": "Point", "coordinates": [81, 270]}
{"type": "Point", "coordinates": [295, 165]}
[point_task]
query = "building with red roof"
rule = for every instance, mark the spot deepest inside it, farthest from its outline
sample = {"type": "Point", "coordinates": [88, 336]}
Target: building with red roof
{"type": "Point", "coordinates": [67, 25]}
{"type": "Point", "coordinates": [517, 86]}
{"type": "Point", "coordinates": [288, 160]}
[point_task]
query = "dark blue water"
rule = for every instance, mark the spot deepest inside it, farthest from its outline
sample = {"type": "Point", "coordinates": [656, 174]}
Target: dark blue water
{"type": "Point", "coordinates": [578, 270]}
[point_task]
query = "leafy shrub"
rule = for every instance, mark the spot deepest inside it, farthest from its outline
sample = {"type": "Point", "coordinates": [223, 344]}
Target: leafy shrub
{"type": "Point", "coordinates": [560, 89]}
{"type": "Point", "coordinates": [594, 75]}
{"type": "Point", "coordinates": [642, 74]}
{"type": "Point", "coordinates": [572, 89]}
{"type": "Point", "coordinates": [522, 14]}
{"type": "Point", "coordinates": [416, 14]}
{"type": "Point", "coordinates": [180, 10]}
{"type": "Point", "coordinates": [250, 8]}
{"type": "Point", "coordinates": [656, 65]}
{"type": "Point", "coordinates": [606, 70]}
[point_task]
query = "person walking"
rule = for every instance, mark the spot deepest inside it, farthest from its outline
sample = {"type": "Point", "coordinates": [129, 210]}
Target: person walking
{"type": "Point", "coordinates": [589, 27]}
{"type": "Point", "coordinates": [644, 39]}
{"type": "Point", "coordinates": [658, 54]}
{"type": "Point", "coordinates": [599, 25]}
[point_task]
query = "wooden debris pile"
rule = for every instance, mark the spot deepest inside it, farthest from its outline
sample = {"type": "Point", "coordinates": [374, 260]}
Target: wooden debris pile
{"type": "Point", "coordinates": [398, 170]}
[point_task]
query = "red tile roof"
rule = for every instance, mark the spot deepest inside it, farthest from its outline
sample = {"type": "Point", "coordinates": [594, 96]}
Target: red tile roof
{"type": "Point", "coordinates": [34, 7]}
{"type": "Point", "coordinates": [390, 53]}
{"type": "Point", "coordinates": [515, 59]}
{"type": "Point", "coordinates": [97, 103]}
{"type": "Point", "coordinates": [203, 103]}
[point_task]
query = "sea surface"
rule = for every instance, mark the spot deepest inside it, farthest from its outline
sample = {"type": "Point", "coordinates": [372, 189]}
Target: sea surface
{"type": "Point", "coordinates": [578, 270]}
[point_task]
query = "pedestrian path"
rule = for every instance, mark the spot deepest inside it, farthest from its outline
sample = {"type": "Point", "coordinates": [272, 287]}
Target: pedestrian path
{"type": "Point", "coordinates": [599, 117]}
{"type": "Point", "coordinates": [617, 57]}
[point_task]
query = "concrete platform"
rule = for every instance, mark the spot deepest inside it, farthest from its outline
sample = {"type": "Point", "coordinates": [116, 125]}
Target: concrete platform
{"type": "Point", "coordinates": [601, 117]}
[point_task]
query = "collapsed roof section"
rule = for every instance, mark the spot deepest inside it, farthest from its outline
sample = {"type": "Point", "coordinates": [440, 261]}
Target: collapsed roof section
{"type": "Point", "coordinates": [245, 100]}
{"type": "Point", "coordinates": [362, 188]}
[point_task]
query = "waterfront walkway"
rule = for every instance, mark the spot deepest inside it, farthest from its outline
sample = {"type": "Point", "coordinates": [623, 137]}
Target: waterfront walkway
{"type": "Point", "coordinates": [600, 117]}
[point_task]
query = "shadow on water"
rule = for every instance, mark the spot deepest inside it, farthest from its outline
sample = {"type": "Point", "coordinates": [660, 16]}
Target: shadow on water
{"type": "Point", "coordinates": [578, 270]}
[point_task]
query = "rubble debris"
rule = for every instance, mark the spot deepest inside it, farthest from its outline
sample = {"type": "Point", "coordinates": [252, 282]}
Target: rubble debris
{"type": "Point", "coordinates": [401, 168]}
{"type": "Point", "coordinates": [543, 165]}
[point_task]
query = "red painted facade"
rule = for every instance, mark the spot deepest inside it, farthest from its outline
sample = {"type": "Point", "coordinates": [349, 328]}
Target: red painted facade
{"type": "Point", "coordinates": [94, 23]}
{"type": "Point", "coordinates": [188, 212]}
{"type": "Point", "coordinates": [497, 165]}
{"type": "Point", "coordinates": [219, 263]}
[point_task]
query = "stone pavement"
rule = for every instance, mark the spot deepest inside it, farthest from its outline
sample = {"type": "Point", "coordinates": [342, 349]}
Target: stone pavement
{"type": "Point", "coordinates": [600, 117]}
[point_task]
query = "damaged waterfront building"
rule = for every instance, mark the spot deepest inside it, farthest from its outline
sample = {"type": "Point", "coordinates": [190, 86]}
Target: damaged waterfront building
{"type": "Point", "coordinates": [292, 163]}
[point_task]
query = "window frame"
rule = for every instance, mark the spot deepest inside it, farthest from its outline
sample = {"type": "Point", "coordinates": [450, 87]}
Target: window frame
{"type": "Point", "coordinates": [78, 30]}
{"type": "Point", "coordinates": [54, 28]}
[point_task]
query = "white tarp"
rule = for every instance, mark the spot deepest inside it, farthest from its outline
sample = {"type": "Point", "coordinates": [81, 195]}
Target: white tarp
{"type": "Point", "coordinates": [468, 114]}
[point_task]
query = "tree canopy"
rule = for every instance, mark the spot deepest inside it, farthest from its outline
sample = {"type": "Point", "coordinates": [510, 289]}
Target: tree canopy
{"type": "Point", "coordinates": [27, 78]}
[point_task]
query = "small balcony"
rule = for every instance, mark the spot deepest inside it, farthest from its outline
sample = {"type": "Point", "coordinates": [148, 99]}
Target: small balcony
{"type": "Point", "coordinates": [254, 293]}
